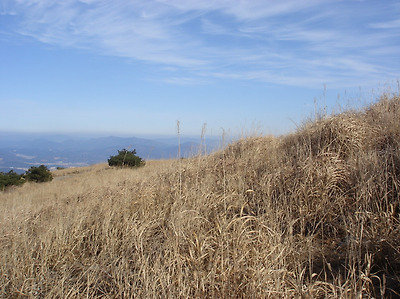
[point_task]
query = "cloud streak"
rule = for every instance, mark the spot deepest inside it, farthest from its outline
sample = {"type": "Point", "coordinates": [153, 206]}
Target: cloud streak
{"type": "Point", "coordinates": [304, 43]}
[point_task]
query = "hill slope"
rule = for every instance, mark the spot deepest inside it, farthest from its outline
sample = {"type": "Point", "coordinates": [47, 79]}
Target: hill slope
{"type": "Point", "coordinates": [311, 214]}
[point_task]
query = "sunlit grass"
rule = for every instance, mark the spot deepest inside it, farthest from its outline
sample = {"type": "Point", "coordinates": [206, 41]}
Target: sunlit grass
{"type": "Point", "coordinates": [313, 214]}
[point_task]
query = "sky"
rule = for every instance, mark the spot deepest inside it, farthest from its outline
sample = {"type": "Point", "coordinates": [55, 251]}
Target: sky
{"type": "Point", "coordinates": [137, 67]}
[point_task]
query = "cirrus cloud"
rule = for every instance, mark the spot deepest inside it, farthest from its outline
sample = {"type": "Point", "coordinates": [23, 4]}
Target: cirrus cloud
{"type": "Point", "coordinates": [286, 42]}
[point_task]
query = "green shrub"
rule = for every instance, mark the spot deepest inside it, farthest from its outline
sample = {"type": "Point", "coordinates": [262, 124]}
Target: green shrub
{"type": "Point", "coordinates": [126, 158]}
{"type": "Point", "coordinates": [9, 179]}
{"type": "Point", "coordinates": [38, 174]}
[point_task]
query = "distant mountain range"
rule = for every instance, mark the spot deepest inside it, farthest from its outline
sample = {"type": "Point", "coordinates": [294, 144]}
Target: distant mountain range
{"type": "Point", "coordinates": [19, 152]}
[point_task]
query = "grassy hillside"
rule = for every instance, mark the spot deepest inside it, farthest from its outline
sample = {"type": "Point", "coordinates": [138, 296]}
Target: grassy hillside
{"type": "Point", "coordinates": [314, 214]}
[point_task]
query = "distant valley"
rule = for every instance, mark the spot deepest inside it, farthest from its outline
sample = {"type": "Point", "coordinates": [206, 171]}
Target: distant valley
{"type": "Point", "coordinates": [19, 152]}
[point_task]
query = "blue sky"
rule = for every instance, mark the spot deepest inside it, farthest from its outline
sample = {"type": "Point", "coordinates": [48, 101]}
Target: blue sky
{"type": "Point", "coordinates": [136, 67]}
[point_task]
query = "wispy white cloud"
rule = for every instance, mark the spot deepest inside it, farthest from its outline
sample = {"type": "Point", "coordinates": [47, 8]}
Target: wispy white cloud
{"type": "Point", "coordinates": [253, 10]}
{"type": "Point", "coordinates": [287, 42]}
{"type": "Point", "coordinates": [394, 24]}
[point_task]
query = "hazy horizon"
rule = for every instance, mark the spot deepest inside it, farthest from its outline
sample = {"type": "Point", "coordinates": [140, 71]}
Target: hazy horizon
{"type": "Point", "coordinates": [23, 134]}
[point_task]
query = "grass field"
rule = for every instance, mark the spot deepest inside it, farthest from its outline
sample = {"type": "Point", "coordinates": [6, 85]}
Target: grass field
{"type": "Point", "coordinates": [313, 214]}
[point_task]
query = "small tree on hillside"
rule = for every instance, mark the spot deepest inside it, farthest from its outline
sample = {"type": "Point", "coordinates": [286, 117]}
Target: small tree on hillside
{"type": "Point", "coordinates": [38, 174]}
{"type": "Point", "coordinates": [9, 179]}
{"type": "Point", "coordinates": [126, 158]}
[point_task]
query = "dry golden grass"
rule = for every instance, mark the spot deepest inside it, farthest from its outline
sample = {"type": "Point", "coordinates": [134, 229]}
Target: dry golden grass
{"type": "Point", "coordinates": [314, 214]}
